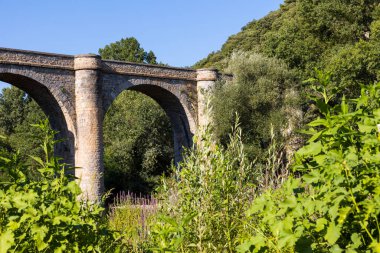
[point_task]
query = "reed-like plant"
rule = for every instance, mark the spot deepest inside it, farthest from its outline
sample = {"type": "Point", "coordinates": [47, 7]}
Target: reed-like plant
{"type": "Point", "coordinates": [132, 215]}
{"type": "Point", "coordinates": [204, 203]}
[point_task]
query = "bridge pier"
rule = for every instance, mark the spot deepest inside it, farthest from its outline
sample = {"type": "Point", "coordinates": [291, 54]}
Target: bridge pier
{"type": "Point", "coordinates": [206, 79]}
{"type": "Point", "coordinates": [89, 133]}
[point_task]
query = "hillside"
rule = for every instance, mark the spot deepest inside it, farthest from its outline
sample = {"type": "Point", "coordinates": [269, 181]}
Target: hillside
{"type": "Point", "coordinates": [340, 36]}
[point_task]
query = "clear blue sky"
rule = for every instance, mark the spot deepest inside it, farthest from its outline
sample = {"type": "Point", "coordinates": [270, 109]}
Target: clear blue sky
{"type": "Point", "coordinates": [179, 32]}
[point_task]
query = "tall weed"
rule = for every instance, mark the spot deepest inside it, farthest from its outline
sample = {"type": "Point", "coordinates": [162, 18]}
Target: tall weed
{"type": "Point", "coordinates": [132, 215]}
{"type": "Point", "coordinates": [335, 205]}
{"type": "Point", "coordinates": [203, 205]}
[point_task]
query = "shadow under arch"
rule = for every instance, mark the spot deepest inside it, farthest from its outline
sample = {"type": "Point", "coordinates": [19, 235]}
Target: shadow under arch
{"type": "Point", "coordinates": [174, 109]}
{"type": "Point", "coordinates": [52, 110]}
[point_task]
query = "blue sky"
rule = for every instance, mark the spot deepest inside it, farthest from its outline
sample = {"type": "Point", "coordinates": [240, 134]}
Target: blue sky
{"type": "Point", "coordinates": [179, 32]}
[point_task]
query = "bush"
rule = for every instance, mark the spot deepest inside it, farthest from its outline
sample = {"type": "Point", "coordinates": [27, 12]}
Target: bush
{"type": "Point", "coordinates": [264, 93]}
{"type": "Point", "coordinates": [334, 206]}
{"type": "Point", "coordinates": [204, 203]}
{"type": "Point", "coordinates": [42, 212]}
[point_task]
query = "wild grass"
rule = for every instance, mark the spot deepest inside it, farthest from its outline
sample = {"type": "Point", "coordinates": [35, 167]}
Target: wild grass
{"type": "Point", "coordinates": [132, 215]}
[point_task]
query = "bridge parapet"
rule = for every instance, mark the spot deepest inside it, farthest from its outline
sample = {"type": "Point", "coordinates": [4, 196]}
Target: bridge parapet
{"type": "Point", "coordinates": [148, 70]}
{"type": "Point", "coordinates": [36, 59]}
{"type": "Point", "coordinates": [61, 61]}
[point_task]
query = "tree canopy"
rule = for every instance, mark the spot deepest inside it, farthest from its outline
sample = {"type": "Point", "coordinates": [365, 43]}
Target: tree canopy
{"type": "Point", "coordinates": [129, 50]}
{"type": "Point", "coordinates": [332, 36]}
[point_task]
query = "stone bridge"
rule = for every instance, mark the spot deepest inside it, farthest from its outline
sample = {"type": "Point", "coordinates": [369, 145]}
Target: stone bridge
{"type": "Point", "coordinates": [76, 91]}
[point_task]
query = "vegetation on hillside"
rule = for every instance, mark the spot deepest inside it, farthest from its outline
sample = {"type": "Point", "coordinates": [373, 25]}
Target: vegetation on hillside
{"type": "Point", "coordinates": [264, 94]}
{"type": "Point", "coordinates": [337, 37]}
{"type": "Point", "coordinates": [331, 35]}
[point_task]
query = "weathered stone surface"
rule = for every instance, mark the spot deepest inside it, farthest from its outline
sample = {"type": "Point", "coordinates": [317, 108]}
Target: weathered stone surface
{"type": "Point", "coordinates": [147, 70]}
{"type": "Point", "coordinates": [39, 59]}
{"type": "Point", "coordinates": [206, 80]}
{"type": "Point", "coordinates": [75, 92]}
{"type": "Point", "coordinates": [87, 61]}
{"type": "Point", "coordinates": [89, 134]}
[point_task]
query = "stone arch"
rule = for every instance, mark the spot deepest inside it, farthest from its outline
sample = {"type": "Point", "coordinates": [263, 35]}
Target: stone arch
{"type": "Point", "coordinates": [59, 120]}
{"type": "Point", "coordinates": [172, 101]}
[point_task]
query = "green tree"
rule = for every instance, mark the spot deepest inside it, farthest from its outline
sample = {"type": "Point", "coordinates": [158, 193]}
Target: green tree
{"type": "Point", "coordinates": [13, 104]}
{"type": "Point", "coordinates": [335, 36]}
{"type": "Point", "coordinates": [138, 143]}
{"type": "Point", "coordinates": [137, 132]}
{"type": "Point", "coordinates": [17, 112]}
{"type": "Point", "coordinates": [127, 49]}
{"type": "Point", "coordinates": [263, 93]}
{"type": "Point", "coordinates": [308, 34]}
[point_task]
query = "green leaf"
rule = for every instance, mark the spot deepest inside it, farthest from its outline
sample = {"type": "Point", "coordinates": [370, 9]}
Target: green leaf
{"type": "Point", "coordinates": [366, 128]}
{"type": "Point", "coordinates": [356, 241]}
{"type": "Point", "coordinates": [336, 249]}
{"type": "Point", "coordinates": [311, 149]}
{"type": "Point", "coordinates": [6, 241]}
{"type": "Point", "coordinates": [318, 122]}
{"type": "Point", "coordinates": [320, 224]}
{"type": "Point", "coordinates": [333, 233]}
{"type": "Point", "coordinates": [39, 233]}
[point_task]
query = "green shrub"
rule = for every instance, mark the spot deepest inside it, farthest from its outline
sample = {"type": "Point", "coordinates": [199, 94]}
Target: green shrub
{"type": "Point", "coordinates": [264, 93]}
{"type": "Point", "coordinates": [334, 206]}
{"type": "Point", "coordinates": [43, 214]}
{"type": "Point", "coordinates": [204, 203]}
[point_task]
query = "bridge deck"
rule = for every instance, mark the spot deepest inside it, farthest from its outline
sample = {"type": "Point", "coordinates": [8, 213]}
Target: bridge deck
{"type": "Point", "coordinates": [61, 61]}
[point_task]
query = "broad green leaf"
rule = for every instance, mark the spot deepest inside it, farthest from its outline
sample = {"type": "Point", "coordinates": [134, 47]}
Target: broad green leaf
{"type": "Point", "coordinates": [335, 249]}
{"type": "Point", "coordinates": [366, 128]}
{"type": "Point", "coordinates": [356, 241]}
{"type": "Point", "coordinates": [311, 149]}
{"type": "Point", "coordinates": [318, 122]}
{"type": "Point", "coordinates": [333, 233]}
{"type": "Point", "coordinates": [320, 224]}
{"type": "Point", "coordinates": [6, 241]}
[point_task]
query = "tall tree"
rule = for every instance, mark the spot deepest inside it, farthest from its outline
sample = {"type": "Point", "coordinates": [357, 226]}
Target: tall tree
{"type": "Point", "coordinates": [13, 104]}
{"type": "Point", "coordinates": [127, 49]}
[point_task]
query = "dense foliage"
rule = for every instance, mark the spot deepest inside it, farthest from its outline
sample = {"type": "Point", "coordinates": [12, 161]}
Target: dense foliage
{"type": "Point", "coordinates": [204, 203]}
{"type": "Point", "coordinates": [264, 92]}
{"type": "Point", "coordinates": [138, 143]}
{"type": "Point", "coordinates": [42, 213]}
{"type": "Point", "coordinates": [338, 37]}
{"type": "Point", "coordinates": [335, 204]}
{"type": "Point", "coordinates": [17, 112]}
{"type": "Point", "coordinates": [127, 49]}
{"type": "Point", "coordinates": [137, 132]}
{"type": "Point", "coordinates": [308, 34]}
